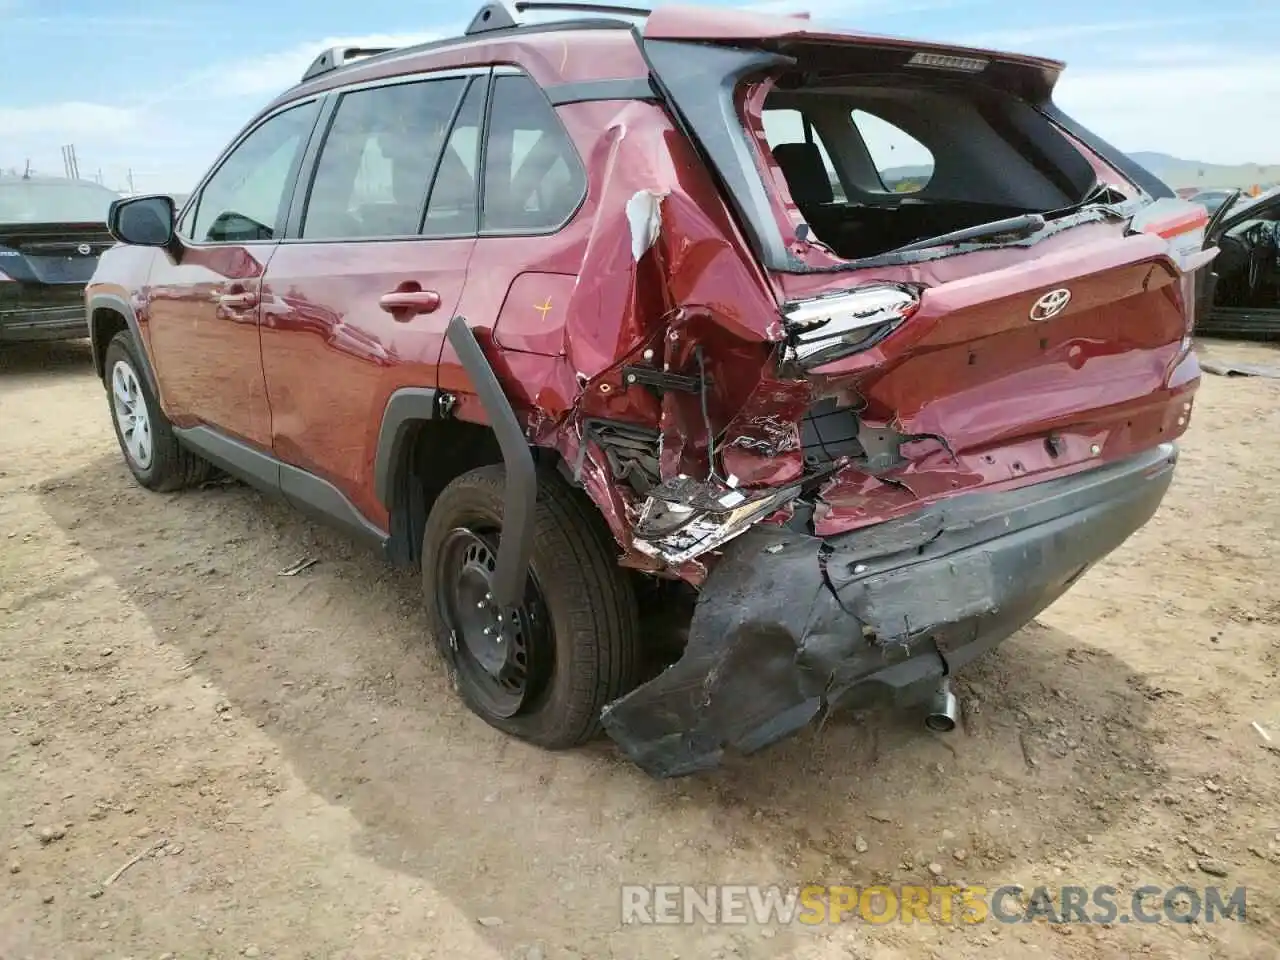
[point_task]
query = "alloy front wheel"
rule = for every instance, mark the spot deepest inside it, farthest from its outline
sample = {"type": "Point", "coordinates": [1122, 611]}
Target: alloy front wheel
{"type": "Point", "coordinates": [132, 418]}
{"type": "Point", "coordinates": [151, 451]}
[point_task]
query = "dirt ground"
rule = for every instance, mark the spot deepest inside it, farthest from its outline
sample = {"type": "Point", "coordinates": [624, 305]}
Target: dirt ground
{"type": "Point", "coordinates": [287, 756]}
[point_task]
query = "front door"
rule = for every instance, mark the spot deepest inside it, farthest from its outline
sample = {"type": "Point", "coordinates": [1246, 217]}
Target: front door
{"type": "Point", "coordinates": [204, 304]}
{"type": "Point", "coordinates": [357, 299]}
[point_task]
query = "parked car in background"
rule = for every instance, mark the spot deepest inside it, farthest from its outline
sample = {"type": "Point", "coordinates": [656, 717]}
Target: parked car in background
{"type": "Point", "coordinates": [52, 231]}
{"type": "Point", "coordinates": [571, 313]}
{"type": "Point", "coordinates": [1240, 297]}
{"type": "Point", "coordinates": [1212, 200]}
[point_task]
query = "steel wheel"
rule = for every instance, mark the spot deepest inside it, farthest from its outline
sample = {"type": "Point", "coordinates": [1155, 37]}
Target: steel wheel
{"type": "Point", "coordinates": [130, 409]}
{"type": "Point", "coordinates": [505, 658]}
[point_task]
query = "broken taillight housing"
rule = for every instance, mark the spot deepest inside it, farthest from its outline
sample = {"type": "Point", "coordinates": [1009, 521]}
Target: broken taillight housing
{"type": "Point", "coordinates": [828, 328]}
{"type": "Point", "coordinates": [1183, 225]}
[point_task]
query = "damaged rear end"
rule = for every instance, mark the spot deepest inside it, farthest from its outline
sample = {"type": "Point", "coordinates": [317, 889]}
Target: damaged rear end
{"type": "Point", "coordinates": [952, 386]}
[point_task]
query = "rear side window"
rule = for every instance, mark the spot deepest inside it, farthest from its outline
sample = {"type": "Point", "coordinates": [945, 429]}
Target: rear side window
{"type": "Point", "coordinates": [905, 165]}
{"type": "Point", "coordinates": [452, 209]}
{"type": "Point", "coordinates": [244, 199]}
{"type": "Point", "coordinates": [791, 135]}
{"type": "Point", "coordinates": [533, 179]}
{"type": "Point", "coordinates": [377, 161]}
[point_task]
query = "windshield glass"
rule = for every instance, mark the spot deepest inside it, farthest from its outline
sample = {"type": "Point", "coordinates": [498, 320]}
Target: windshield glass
{"type": "Point", "coordinates": [45, 201]}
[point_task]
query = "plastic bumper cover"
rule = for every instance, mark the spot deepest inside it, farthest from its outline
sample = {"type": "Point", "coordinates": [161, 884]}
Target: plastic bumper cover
{"type": "Point", "coordinates": [789, 625]}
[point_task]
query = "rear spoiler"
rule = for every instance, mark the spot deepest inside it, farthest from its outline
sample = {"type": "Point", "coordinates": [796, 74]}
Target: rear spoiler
{"type": "Point", "coordinates": [1032, 78]}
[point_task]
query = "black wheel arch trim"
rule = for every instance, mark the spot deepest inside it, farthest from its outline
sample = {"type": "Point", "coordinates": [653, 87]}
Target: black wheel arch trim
{"type": "Point", "coordinates": [405, 407]}
{"type": "Point", "coordinates": [108, 301]}
{"type": "Point", "coordinates": [515, 546]}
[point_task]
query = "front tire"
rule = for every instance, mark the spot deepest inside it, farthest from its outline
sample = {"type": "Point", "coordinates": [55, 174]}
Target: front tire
{"type": "Point", "coordinates": [151, 451]}
{"type": "Point", "coordinates": [573, 646]}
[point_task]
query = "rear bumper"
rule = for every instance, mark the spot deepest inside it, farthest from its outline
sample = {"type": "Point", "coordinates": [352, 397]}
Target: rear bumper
{"type": "Point", "coordinates": [43, 323]}
{"type": "Point", "coordinates": [789, 625]}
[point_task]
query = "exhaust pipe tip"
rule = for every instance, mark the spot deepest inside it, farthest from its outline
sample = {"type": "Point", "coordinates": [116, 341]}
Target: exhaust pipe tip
{"type": "Point", "coordinates": [944, 710]}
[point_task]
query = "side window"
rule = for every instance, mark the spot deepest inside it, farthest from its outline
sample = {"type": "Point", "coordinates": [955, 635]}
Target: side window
{"type": "Point", "coordinates": [244, 199]}
{"type": "Point", "coordinates": [802, 152]}
{"type": "Point", "coordinates": [451, 210]}
{"type": "Point", "coordinates": [188, 220]}
{"type": "Point", "coordinates": [372, 174]}
{"type": "Point", "coordinates": [533, 179]}
{"type": "Point", "coordinates": [904, 163]}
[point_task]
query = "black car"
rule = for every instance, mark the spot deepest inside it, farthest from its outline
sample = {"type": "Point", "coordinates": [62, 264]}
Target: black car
{"type": "Point", "coordinates": [1240, 297]}
{"type": "Point", "coordinates": [52, 231]}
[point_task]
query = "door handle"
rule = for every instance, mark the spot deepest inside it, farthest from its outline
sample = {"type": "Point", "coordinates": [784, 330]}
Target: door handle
{"type": "Point", "coordinates": [239, 301]}
{"type": "Point", "coordinates": [405, 304]}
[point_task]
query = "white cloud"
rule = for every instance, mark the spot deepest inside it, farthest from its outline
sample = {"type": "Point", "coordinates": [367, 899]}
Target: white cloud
{"type": "Point", "coordinates": [68, 121]}
{"type": "Point", "coordinates": [276, 72]}
{"type": "Point", "coordinates": [167, 141]}
{"type": "Point", "coordinates": [1209, 110]}
{"type": "Point", "coordinates": [1034, 36]}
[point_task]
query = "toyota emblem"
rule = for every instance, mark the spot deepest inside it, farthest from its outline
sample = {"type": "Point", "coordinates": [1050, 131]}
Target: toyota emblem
{"type": "Point", "coordinates": [84, 249]}
{"type": "Point", "coordinates": [1051, 304]}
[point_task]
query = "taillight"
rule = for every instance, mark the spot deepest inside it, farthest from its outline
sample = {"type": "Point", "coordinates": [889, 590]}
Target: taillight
{"type": "Point", "coordinates": [1182, 224]}
{"type": "Point", "coordinates": [828, 328]}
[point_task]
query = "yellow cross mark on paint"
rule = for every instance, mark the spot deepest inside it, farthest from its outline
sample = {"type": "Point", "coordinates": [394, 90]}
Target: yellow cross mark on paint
{"type": "Point", "coordinates": [543, 308]}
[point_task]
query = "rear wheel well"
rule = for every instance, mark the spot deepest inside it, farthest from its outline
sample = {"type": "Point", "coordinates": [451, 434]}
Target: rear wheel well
{"type": "Point", "coordinates": [105, 324]}
{"type": "Point", "coordinates": [437, 451]}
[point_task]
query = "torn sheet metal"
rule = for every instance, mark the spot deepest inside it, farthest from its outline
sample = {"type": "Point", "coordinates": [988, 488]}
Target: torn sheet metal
{"type": "Point", "coordinates": [684, 518]}
{"type": "Point", "coordinates": [644, 216]}
{"type": "Point", "coordinates": [789, 626]}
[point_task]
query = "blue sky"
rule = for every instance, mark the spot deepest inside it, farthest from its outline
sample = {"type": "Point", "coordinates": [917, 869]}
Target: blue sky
{"type": "Point", "coordinates": [159, 87]}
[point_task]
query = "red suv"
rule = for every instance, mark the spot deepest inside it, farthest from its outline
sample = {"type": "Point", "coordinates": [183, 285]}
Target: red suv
{"type": "Point", "coordinates": [857, 342]}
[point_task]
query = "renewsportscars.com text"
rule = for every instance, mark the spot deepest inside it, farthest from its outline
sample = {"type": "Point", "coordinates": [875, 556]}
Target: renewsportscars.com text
{"type": "Point", "coordinates": [817, 904]}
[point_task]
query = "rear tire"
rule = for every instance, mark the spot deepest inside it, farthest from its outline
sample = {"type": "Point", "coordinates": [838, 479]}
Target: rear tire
{"type": "Point", "coordinates": [575, 648]}
{"type": "Point", "coordinates": [151, 451]}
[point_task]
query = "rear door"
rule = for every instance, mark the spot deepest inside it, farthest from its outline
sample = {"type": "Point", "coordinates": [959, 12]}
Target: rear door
{"type": "Point", "coordinates": [204, 305]}
{"type": "Point", "coordinates": [357, 299]}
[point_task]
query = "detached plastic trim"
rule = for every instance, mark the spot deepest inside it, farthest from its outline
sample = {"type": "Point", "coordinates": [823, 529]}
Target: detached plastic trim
{"type": "Point", "coordinates": [515, 548]}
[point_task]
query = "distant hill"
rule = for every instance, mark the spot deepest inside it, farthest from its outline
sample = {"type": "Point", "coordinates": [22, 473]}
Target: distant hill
{"type": "Point", "coordinates": [1177, 172]}
{"type": "Point", "coordinates": [1174, 171]}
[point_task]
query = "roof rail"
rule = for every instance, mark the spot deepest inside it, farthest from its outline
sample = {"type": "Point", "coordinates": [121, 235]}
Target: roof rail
{"type": "Point", "coordinates": [497, 16]}
{"type": "Point", "coordinates": [492, 16]}
{"type": "Point", "coordinates": [336, 57]}
{"type": "Point", "coordinates": [622, 9]}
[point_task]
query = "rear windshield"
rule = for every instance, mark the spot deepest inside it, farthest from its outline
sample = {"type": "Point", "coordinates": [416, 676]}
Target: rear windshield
{"type": "Point", "coordinates": [42, 201]}
{"type": "Point", "coordinates": [874, 166]}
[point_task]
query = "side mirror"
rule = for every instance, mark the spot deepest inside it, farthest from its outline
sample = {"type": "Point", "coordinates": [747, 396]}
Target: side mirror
{"type": "Point", "coordinates": [143, 221]}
